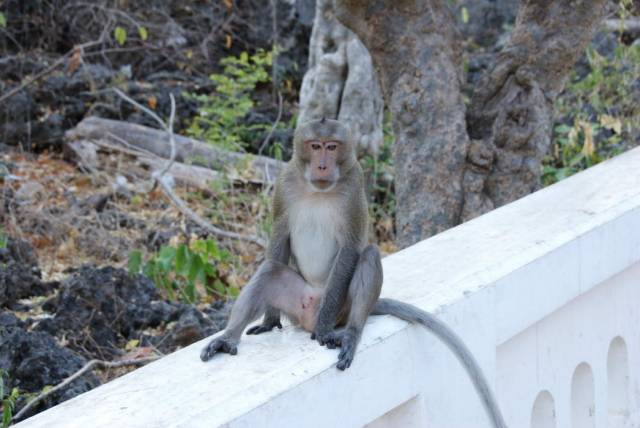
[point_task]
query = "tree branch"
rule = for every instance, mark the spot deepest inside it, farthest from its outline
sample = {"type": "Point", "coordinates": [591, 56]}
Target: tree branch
{"type": "Point", "coordinates": [86, 368]}
{"type": "Point", "coordinates": [165, 181]}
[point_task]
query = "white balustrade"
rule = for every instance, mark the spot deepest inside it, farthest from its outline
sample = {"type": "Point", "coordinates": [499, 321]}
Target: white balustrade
{"type": "Point", "coordinates": [545, 291]}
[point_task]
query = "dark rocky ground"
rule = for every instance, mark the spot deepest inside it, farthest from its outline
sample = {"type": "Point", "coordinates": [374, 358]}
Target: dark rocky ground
{"type": "Point", "coordinates": [49, 330]}
{"type": "Point", "coordinates": [184, 42]}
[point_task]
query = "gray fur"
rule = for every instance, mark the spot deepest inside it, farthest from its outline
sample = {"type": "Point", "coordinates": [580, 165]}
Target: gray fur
{"type": "Point", "coordinates": [414, 315]}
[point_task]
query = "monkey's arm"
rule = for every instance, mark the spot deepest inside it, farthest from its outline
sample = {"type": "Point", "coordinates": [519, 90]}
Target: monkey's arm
{"type": "Point", "coordinates": [337, 291]}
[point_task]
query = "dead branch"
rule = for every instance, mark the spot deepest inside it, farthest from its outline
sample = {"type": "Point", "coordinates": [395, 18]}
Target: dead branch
{"type": "Point", "coordinates": [628, 25]}
{"type": "Point", "coordinates": [86, 368]}
{"type": "Point", "coordinates": [182, 206]}
{"type": "Point", "coordinates": [166, 181]}
{"type": "Point", "coordinates": [188, 150]}
{"type": "Point", "coordinates": [273, 128]}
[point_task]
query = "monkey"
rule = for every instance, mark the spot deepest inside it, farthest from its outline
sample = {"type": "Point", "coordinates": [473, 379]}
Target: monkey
{"type": "Point", "coordinates": [319, 269]}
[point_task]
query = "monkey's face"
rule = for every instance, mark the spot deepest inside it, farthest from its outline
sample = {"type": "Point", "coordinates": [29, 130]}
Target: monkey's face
{"type": "Point", "coordinates": [324, 153]}
{"type": "Point", "coordinates": [322, 170]}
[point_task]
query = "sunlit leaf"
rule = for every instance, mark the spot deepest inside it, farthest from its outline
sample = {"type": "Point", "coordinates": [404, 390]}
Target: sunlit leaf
{"type": "Point", "coordinates": [611, 123]}
{"type": "Point", "coordinates": [142, 32]}
{"type": "Point", "coordinates": [588, 148]}
{"type": "Point", "coordinates": [120, 34]}
{"type": "Point", "coordinates": [465, 14]}
{"type": "Point", "coordinates": [131, 345]}
{"type": "Point", "coordinates": [3, 20]}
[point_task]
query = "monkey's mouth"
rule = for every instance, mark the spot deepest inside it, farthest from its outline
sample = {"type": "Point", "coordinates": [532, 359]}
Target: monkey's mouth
{"type": "Point", "coordinates": [322, 184]}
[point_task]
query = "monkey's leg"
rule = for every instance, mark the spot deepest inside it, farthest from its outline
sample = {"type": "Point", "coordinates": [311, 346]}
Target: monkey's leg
{"type": "Point", "coordinates": [335, 297]}
{"type": "Point", "coordinates": [273, 285]}
{"type": "Point", "coordinates": [364, 292]}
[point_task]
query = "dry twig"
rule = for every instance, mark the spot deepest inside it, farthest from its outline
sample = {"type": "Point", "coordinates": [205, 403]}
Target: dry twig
{"type": "Point", "coordinates": [273, 128]}
{"type": "Point", "coordinates": [165, 181]}
{"type": "Point", "coordinates": [86, 368]}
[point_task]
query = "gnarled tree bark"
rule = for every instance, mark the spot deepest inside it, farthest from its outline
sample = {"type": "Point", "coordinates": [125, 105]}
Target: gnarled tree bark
{"type": "Point", "coordinates": [341, 83]}
{"type": "Point", "coordinates": [511, 114]}
{"type": "Point", "coordinates": [444, 177]}
{"type": "Point", "coordinates": [414, 46]}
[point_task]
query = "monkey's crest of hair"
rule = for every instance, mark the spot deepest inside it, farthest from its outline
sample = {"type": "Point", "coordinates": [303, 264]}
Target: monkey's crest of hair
{"type": "Point", "coordinates": [325, 129]}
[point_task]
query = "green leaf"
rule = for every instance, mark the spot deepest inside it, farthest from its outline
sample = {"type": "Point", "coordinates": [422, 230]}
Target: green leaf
{"type": "Point", "coordinates": [219, 287]}
{"type": "Point", "coordinates": [210, 270]}
{"type": "Point", "coordinates": [195, 268]}
{"type": "Point", "coordinates": [182, 259]}
{"type": "Point", "coordinates": [120, 34]}
{"type": "Point", "coordinates": [465, 14]}
{"type": "Point", "coordinates": [563, 129]}
{"type": "Point", "coordinates": [6, 415]}
{"type": "Point", "coordinates": [3, 20]}
{"type": "Point", "coordinates": [212, 249]}
{"type": "Point", "coordinates": [166, 258]}
{"type": "Point", "coordinates": [142, 31]}
{"type": "Point", "coordinates": [190, 291]}
{"type": "Point", "coordinates": [135, 262]}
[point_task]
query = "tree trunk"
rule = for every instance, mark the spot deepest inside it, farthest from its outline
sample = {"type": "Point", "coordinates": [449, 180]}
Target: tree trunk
{"type": "Point", "coordinates": [511, 114]}
{"type": "Point", "coordinates": [341, 82]}
{"type": "Point", "coordinates": [415, 51]}
{"type": "Point", "coordinates": [443, 178]}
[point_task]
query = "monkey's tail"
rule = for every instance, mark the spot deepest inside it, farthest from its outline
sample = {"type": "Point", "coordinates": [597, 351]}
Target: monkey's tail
{"type": "Point", "coordinates": [410, 313]}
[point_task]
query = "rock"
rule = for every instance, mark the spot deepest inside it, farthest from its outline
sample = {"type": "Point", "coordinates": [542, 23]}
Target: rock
{"type": "Point", "coordinates": [29, 192]}
{"type": "Point", "coordinates": [487, 19]}
{"type": "Point", "coordinates": [34, 360]}
{"type": "Point", "coordinates": [99, 309]}
{"type": "Point", "coordinates": [18, 282]}
{"type": "Point", "coordinates": [8, 320]}
{"type": "Point", "coordinates": [20, 251]}
{"type": "Point", "coordinates": [190, 327]}
{"type": "Point", "coordinates": [19, 274]}
{"type": "Point", "coordinates": [218, 313]}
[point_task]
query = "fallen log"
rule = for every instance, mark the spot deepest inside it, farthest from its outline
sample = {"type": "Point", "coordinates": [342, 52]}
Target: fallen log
{"type": "Point", "coordinates": [188, 150]}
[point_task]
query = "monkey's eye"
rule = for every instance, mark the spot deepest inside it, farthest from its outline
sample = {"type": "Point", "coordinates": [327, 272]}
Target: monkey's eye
{"type": "Point", "coordinates": [331, 146]}
{"type": "Point", "coordinates": [316, 146]}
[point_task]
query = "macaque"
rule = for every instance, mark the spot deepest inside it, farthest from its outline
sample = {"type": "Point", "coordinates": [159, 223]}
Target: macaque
{"type": "Point", "coordinates": [319, 270]}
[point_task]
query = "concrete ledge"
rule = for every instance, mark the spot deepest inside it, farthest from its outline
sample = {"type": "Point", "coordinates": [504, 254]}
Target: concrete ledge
{"type": "Point", "coordinates": [490, 278]}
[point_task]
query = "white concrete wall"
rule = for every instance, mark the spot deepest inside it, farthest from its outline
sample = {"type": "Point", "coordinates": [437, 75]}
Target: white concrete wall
{"type": "Point", "coordinates": [545, 291]}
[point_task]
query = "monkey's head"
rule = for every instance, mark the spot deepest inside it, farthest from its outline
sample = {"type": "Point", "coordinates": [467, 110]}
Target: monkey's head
{"type": "Point", "coordinates": [324, 152]}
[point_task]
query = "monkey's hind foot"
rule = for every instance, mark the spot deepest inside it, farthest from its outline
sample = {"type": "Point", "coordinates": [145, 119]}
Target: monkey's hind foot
{"type": "Point", "coordinates": [221, 344]}
{"type": "Point", "coordinates": [264, 327]}
{"type": "Point", "coordinates": [333, 339]}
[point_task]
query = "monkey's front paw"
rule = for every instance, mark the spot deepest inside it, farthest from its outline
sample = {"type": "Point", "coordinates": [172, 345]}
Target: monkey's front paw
{"type": "Point", "coordinates": [264, 327]}
{"type": "Point", "coordinates": [221, 344]}
{"type": "Point", "coordinates": [348, 346]}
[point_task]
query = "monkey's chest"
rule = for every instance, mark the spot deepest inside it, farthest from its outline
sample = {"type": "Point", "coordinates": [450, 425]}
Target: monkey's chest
{"type": "Point", "coordinates": [315, 241]}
